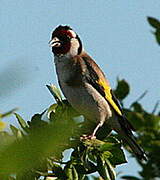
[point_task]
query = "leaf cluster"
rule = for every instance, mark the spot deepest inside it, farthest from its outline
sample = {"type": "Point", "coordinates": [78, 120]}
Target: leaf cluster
{"type": "Point", "coordinates": [155, 23]}
{"type": "Point", "coordinates": [35, 151]}
{"type": "Point", "coordinates": [147, 125]}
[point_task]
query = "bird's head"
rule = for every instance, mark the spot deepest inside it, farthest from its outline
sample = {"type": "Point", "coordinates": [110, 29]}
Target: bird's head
{"type": "Point", "coordinates": [65, 41]}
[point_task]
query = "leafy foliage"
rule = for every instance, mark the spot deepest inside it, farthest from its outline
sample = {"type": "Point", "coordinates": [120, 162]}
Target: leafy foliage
{"type": "Point", "coordinates": [156, 25]}
{"type": "Point", "coordinates": [36, 150]}
{"type": "Point", "coordinates": [147, 126]}
{"type": "Point", "coordinates": [3, 115]}
{"type": "Point", "coordinates": [122, 89]}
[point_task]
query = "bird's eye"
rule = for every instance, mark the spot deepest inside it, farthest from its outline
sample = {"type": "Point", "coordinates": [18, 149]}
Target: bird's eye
{"type": "Point", "coordinates": [65, 38]}
{"type": "Point", "coordinates": [69, 37]}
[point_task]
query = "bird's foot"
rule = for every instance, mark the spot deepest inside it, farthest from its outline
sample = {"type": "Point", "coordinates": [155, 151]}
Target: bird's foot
{"type": "Point", "coordinates": [87, 137]}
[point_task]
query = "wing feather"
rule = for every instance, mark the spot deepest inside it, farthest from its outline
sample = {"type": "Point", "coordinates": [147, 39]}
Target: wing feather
{"type": "Point", "coordinates": [97, 78]}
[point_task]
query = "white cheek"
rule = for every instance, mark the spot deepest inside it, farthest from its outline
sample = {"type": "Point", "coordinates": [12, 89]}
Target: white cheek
{"type": "Point", "coordinates": [74, 47]}
{"type": "Point", "coordinates": [73, 33]}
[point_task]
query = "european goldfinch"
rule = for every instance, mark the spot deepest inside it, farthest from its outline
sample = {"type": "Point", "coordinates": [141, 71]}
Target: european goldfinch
{"type": "Point", "coordinates": [86, 88]}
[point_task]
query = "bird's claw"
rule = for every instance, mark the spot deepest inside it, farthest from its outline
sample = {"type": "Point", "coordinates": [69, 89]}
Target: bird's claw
{"type": "Point", "coordinates": [87, 137]}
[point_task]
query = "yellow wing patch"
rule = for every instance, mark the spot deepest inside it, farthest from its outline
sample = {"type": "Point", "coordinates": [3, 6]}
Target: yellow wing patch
{"type": "Point", "coordinates": [108, 96]}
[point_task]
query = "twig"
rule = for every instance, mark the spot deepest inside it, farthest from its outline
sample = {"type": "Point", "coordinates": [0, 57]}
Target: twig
{"type": "Point", "coordinates": [155, 107]}
{"type": "Point", "coordinates": [142, 96]}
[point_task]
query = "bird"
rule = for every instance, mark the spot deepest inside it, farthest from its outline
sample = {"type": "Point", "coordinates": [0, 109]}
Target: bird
{"type": "Point", "coordinates": [86, 87]}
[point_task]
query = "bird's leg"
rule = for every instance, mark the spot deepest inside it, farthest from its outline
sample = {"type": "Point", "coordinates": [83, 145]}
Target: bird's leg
{"type": "Point", "coordinates": [93, 135]}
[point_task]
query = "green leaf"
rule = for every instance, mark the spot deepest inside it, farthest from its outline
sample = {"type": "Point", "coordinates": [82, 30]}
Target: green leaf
{"type": "Point", "coordinates": [105, 168]}
{"type": "Point", "coordinates": [122, 89]}
{"type": "Point", "coordinates": [107, 154]}
{"type": "Point", "coordinates": [21, 121]}
{"type": "Point", "coordinates": [107, 146]}
{"type": "Point", "coordinates": [36, 123]}
{"type": "Point", "coordinates": [152, 122]}
{"type": "Point", "coordinates": [70, 171]}
{"type": "Point", "coordinates": [75, 174]}
{"type": "Point", "coordinates": [117, 159]}
{"type": "Point", "coordinates": [157, 35]}
{"type": "Point", "coordinates": [8, 113]}
{"type": "Point", "coordinates": [154, 22]}
{"type": "Point", "coordinates": [95, 143]}
{"type": "Point", "coordinates": [137, 107]}
{"type": "Point", "coordinates": [136, 119]}
{"type": "Point", "coordinates": [55, 92]}
{"type": "Point", "coordinates": [115, 149]}
{"type": "Point", "coordinates": [31, 151]}
{"type": "Point", "coordinates": [102, 168]}
{"type": "Point", "coordinates": [130, 178]}
{"type": "Point", "coordinates": [111, 170]}
{"type": "Point", "coordinates": [109, 149]}
{"type": "Point", "coordinates": [85, 159]}
{"type": "Point", "coordinates": [16, 131]}
{"type": "Point", "coordinates": [52, 108]}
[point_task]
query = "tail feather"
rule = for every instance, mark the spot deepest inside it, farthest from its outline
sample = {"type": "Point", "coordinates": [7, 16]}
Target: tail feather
{"type": "Point", "coordinates": [138, 151]}
{"type": "Point", "coordinates": [127, 135]}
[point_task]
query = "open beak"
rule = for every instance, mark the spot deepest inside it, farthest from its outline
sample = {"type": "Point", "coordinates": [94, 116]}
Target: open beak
{"type": "Point", "coordinates": [55, 42]}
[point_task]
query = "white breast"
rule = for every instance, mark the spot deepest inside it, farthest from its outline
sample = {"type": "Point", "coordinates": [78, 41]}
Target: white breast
{"type": "Point", "coordinates": [86, 99]}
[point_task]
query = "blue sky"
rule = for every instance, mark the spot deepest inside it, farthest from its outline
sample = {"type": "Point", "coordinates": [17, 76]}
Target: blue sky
{"type": "Point", "coordinates": [115, 33]}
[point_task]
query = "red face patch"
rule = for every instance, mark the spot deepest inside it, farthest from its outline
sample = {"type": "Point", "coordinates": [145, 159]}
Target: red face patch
{"type": "Point", "coordinates": [64, 36]}
{"type": "Point", "coordinates": [62, 33]}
